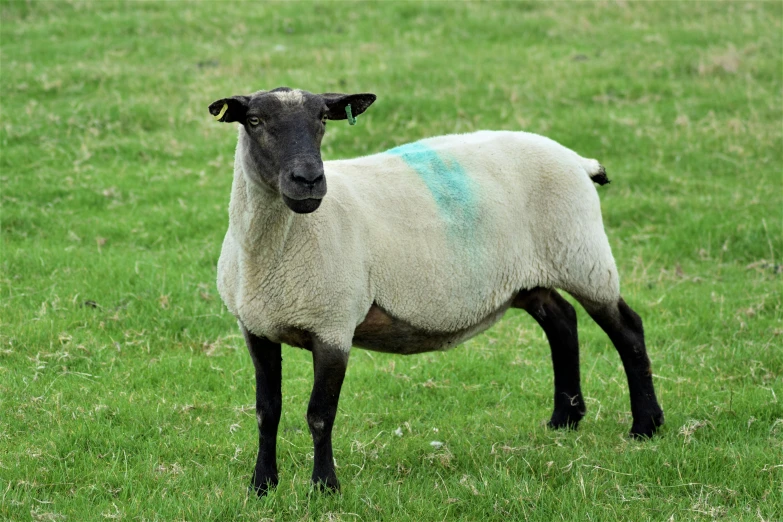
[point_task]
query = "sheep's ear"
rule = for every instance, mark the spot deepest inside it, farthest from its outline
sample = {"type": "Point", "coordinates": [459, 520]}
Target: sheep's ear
{"type": "Point", "coordinates": [230, 109]}
{"type": "Point", "coordinates": [336, 104]}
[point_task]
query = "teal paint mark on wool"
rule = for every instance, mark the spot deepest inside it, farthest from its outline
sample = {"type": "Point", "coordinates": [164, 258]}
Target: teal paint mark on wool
{"type": "Point", "coordinates": [446, 180]}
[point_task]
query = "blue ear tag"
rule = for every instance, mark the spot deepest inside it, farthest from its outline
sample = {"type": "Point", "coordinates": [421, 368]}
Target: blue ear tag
{"type": "Point", "coordinates": [351, 119]}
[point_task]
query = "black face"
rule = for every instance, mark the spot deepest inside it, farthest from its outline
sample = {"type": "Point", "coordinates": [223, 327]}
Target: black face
{"type": "Point", "coordinates": [283, 132]}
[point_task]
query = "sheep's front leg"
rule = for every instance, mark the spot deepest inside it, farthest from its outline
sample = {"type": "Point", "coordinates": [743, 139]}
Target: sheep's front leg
{"type": "Point", "coordinates": [268, 363]}
{"type": "Point", "coordinates": [329, 364]}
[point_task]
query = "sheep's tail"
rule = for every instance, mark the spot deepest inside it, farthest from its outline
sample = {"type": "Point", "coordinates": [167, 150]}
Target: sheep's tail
{"type": "Point", "coordinates": [595, 170]}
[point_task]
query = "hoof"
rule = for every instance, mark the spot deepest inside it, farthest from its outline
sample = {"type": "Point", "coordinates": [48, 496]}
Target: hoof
{"type": "Point", "coordinates": [262, 486]}
{"type": "Point", "coordinates": [646, 427]}
{"type": "Point", "coordinates": [562, 424]}
{"type": "Point", "coordinates": [567, 417]}
{"type": "Point", "coordinates": [326, 485]}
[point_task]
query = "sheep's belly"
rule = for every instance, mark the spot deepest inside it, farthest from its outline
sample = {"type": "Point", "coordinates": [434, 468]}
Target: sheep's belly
{"type": "Point", "coordinates": [381, 332]}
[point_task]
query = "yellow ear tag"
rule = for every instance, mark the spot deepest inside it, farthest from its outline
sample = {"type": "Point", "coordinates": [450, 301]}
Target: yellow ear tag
{"type": "Point", "coordinates": [222, 112]}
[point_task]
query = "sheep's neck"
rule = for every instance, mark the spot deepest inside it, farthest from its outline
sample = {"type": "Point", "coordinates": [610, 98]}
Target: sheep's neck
{"type": "Point", "coordinates": [259, 219]}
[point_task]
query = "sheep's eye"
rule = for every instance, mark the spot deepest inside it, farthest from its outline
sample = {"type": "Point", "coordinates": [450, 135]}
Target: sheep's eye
{"type": "Point", "coordinates": [253, 121]}
{"type": "Point", "coordinates": [323, 119]}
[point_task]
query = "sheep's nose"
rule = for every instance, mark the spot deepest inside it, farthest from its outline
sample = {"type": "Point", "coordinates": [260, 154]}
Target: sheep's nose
{"type": "Point", "coordinates": [307, 177]}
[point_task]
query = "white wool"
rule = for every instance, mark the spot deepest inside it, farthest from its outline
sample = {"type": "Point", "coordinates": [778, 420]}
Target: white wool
{"type": "Point", "coordinates": [511, 211]}
{"type": "Point", "coordinates": [294, 97]}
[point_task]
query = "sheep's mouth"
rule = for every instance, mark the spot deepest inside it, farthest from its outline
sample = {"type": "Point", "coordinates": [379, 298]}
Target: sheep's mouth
{"type": "Point", "coordinates": [302, 206]}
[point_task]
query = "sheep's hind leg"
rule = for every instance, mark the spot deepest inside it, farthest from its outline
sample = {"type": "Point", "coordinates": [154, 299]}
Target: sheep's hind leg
{"type": "Point", "coordinates": [558, 319]}
{"type": "Point", "coordinates": [329, 365]}
{"type": "Point", "coordinates": [268, 364]}
{"type": "Point", "coordinates": [624, 328]}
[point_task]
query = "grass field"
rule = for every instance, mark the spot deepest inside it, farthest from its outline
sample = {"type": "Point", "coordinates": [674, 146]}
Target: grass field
{"type": "Point", "coordinates": [125, 389]}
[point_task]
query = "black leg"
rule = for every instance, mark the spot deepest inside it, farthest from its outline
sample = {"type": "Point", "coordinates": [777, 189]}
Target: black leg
{"type": "Point", "coordinates": [624, 328]}
{"type": "Point", "coordinates": [329, 364]}
{"type": "Point", "coordinates": [558, 319]}
{"type": "Point", "coordinates": [268, 363]}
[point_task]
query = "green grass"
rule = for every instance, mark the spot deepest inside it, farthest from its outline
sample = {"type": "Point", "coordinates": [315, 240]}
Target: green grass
{"type": "Point", "coordinates": [115, 183]}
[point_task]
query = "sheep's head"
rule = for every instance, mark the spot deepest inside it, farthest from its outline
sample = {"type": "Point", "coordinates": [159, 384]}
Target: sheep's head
{"type": "Point", "coordinates": [283, 129]}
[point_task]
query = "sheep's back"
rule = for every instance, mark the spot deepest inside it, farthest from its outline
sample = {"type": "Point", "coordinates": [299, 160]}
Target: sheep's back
{"type": "Point", "coordinates": [456, 225]}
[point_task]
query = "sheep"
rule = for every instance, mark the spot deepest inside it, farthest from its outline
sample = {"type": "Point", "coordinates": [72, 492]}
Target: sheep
{"type": "Point", "coordinates": [414, 250]}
